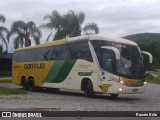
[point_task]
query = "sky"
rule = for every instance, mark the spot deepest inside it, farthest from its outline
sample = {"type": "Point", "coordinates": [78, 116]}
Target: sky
{"type": "Point", "coordinates": [114, 17]}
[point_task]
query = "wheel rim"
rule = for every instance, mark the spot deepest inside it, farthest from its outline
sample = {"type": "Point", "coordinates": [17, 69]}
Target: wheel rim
{"type": "Point", "coordinates": [31, 86]}
{"type": "Point", "coordinates": [24, 84]}
{"type": "Point", "coordinates": [87, 89]}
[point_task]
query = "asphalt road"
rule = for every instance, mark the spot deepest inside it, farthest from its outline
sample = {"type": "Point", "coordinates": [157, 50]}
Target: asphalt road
{"type": "Point", "coordinates": [67, 100]}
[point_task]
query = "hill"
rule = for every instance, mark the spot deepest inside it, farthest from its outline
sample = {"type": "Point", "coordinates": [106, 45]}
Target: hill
{"type": "Point", "coordinates": [148, 42]}
{"type": "Point", "coordinates": [146, 36]}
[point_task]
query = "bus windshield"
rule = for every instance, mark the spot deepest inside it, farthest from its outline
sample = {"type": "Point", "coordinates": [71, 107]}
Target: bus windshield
{"type": "Point", "coordinates": [130, 63]}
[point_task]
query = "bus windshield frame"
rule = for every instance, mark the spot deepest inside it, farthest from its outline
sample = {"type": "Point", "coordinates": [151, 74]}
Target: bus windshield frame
{"type": "Point", "coordinates": [130, 64]}
{"type": "Point", "coordinates": [131, 61]}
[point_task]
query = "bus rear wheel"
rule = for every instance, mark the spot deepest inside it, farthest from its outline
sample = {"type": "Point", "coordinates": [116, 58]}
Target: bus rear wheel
{"type": "Point", "coordinates": [31, 85]}
{"type": "Point", "coordinates": [88, 90]}
{"type": "Point", "coordinates": [24, 83]}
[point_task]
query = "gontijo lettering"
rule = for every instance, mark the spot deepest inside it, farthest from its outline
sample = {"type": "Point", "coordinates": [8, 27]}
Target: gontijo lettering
{"type": "Point", "coordinates": [34, 66]}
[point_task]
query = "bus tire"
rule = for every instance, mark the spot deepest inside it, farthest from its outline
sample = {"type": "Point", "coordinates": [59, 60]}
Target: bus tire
{"type": "Point", "coordinates": [114, 95]}
{"type": "Point", "coordinates": [31, 85]}
{"type": "Point", "coordinates": [88, 90]}
{"type": "Point", "coordinates": [24, 83]}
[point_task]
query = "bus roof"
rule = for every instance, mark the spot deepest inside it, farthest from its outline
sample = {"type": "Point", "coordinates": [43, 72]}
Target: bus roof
{"type": "Point", "coordinates": [100, 37]}
{"type": "Point", "coordinates": [84, 37]}
{"type": "Point", "coordinates": [114, 39]}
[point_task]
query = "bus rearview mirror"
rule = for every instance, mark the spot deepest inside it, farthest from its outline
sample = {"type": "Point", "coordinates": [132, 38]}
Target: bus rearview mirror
{"type": "Point", "coordinates": [115, 50]}
{"type": "Point", "coordinates": [149, 54]}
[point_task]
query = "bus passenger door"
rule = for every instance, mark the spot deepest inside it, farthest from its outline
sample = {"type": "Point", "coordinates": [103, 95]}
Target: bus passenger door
{"type": "Point", "coordinates": [107, 64]}
{"type": "Point", "coordinates": [106, 82]}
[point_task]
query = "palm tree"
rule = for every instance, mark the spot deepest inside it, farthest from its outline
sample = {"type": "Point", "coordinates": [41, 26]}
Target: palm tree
{"type": "Point", "coordinates": [0, 49]}
{"type": "Point", "coordinates": [68, 25]}
{"type": "Point", "coordinates": [3, 32]}
{"type": "Point", "coordinates": [75, 22]}
{"type": "Point", "coordinates": [2, 18]}
{"type": "Point", "coordinates": [24, 32]}
{"type": "Point", "coordinates": [55, 22]}
{"type": "Point", "coordinates": [91, 27]}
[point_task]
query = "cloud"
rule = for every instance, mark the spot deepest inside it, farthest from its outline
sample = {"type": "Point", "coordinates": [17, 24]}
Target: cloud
{"type": "Point", "coordinates": [114, 17]}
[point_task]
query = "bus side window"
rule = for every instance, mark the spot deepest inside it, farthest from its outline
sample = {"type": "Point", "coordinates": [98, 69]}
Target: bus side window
{"type": "Point", "coordinates": [107, 61]}
{"type": "Point", "coordinates": [44, 55]}
{"type": "Point", "coordinates": [70, 48]}
{"type": "Point", "coordinates": [64, 53]}
{"type": "Point", "coordinates": [49, 54]}
{"type": "Point", "coordinates": [56, 53]}
{"type": "Point", "coordinates": [41, 54]}
{"type": "Point", "coordinates": [82, 51]}
{"type": "Point", "coordinates": [30, 55]}
{"type": "Point", "coordinates": [17, 56]}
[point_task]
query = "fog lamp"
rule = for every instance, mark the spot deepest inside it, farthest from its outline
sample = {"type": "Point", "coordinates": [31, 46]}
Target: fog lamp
{"type": "Point", "coordinates": [121, 82]}
{"type": "Point", "coordinates": [120, 89]}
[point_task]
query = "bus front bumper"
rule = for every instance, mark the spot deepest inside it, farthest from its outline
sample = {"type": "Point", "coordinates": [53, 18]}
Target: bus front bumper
{"type": "Point", "coordinates": [123, 89]}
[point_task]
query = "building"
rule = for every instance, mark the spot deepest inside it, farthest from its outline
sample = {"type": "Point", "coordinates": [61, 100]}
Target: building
{"type": "Point", "coordinates": [6, 65]}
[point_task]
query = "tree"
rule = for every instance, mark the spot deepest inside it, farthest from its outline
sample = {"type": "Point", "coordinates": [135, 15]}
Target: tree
{"type": "Point", "coordinates": [24, 32]}
{"type": "Point", "coordinates": [69, 25]}
{"type": "Point", "coordinates": [3, 32]}
{"type": "Point", "coordinates": [0, 49]}
{"type": "Point", "coordinates": [148, 42]}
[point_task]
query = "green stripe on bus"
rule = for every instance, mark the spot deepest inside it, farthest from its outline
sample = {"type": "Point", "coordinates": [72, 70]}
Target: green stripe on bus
{"type": "Point", "coordinates": [59, 71]}
{"type": "Point", "coordinates": [84, 73]}
{"type": "Point", "coordinates": [140, 81]}
{"type": "Point", "coordinates": [54, 70]}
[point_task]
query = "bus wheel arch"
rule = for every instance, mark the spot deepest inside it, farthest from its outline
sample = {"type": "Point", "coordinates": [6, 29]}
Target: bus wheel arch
{"type": "Point", "coordinates": [87, 87]}
{"type": "Point", "coordinates": [31, 84]}
{"type": "Point", "coordinates": [24, 82]}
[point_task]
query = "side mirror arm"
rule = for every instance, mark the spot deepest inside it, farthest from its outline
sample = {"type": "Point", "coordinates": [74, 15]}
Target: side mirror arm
{"type": "Point", "coordinates": [149, 54]}
{"type": "Point", "coordinates": [115, 50]}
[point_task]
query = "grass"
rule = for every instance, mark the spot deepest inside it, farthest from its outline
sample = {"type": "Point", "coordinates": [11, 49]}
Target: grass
{"type": "Point", "coordinates": [152, 79]}
{"type": "Point", "coordinates": [11, 91]}
{"type": "Point", "coordinates": [5, 81]}
{"type": "Point", "coordinates": [154, 72]}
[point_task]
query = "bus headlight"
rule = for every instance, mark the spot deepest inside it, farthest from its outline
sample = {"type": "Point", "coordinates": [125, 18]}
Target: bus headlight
{"type": "Point", "coordinates": [121, 82]}
{"type": "Point", "coordinates": [120, 89]}
{"type": "Point", "coordinates": [145, 83]}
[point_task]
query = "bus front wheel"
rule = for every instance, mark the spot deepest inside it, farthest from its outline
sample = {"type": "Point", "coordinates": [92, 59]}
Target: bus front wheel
{"type": "Point", "coordinates": [88, 90]}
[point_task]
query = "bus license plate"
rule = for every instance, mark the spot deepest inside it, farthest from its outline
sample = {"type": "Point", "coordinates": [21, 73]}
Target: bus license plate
{"type": "Point", "coordinates": [135, 90]}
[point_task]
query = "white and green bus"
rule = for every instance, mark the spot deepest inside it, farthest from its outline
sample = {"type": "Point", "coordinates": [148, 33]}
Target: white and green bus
{"type": "Point", "coordinates": [90, 63]}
